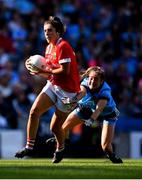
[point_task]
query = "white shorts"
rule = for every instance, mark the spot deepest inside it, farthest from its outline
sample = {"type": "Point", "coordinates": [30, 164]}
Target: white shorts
{"type": "Point", "coordinates": [56, 94]}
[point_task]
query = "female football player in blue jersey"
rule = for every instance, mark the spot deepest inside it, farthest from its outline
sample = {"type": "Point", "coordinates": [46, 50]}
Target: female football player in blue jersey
{"type": "Point", "coordinates": [96, 105]}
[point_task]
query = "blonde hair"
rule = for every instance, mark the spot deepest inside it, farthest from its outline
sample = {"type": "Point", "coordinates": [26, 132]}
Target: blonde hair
{"type": "Point", "coordinates": [98, 70]}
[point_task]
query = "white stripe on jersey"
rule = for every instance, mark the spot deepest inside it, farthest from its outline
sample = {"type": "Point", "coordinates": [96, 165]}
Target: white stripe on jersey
{"type": "Point", "coordinates": [50, 46]}
{"type": "Point", "coordinates": [65, 60]}
{"type": "Point", "coordinates": [48, 49]}
{"type": "Point", "coordinates": [58, 41]}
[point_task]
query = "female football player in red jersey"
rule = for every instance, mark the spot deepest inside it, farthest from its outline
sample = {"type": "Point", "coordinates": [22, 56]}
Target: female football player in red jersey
{"type": "Point", "coordinates": [63, 83]}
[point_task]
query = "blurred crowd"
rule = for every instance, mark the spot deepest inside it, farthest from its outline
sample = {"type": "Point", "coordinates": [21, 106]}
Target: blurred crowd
{"type": "Point", "coordinates": [104, 33]}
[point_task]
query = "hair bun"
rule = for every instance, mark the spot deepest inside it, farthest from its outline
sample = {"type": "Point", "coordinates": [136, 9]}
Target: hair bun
{"type": "Point", "coordinates": [55, 18]}
{"type": "Point", "coordinates": [58, 24]}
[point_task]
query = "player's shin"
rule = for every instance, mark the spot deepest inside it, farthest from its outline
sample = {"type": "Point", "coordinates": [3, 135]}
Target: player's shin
{"type": "Point", "coordinates": [59, 153]}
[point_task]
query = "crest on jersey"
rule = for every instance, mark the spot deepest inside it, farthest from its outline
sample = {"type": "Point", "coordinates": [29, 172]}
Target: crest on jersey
{"type": "Point", "coordinates": [54, 55]}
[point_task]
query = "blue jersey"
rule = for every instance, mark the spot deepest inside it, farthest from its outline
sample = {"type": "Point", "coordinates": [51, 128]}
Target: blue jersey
{"type": "Point", "coordinates": [93, 96]}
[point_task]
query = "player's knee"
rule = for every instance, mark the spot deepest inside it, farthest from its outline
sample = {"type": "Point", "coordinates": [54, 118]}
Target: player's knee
{"type": "Point", "coordinates": [34, 113]}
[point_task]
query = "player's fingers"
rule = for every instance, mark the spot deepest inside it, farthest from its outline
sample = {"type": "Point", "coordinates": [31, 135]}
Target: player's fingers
{"type": "Point", "coordinates": [33, 72]}
{"type": "Point", "coordinates": [27, 62]}
{"type": "Point", "coordinates": [29, 67]}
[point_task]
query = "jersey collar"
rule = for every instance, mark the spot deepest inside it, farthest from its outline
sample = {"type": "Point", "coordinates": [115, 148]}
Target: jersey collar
{"type": "Point", "coordinates": [58, 41]}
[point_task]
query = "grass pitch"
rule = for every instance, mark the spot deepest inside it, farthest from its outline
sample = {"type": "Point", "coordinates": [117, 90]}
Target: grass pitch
{"type": "Point", "coordinates": [70, 169]}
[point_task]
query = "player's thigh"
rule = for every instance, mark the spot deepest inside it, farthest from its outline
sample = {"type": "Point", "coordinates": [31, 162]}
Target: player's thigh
{"type": "Point", "coordinates": [107, 134]}
{"type": "Point", "coordinates": [71, 121]}
{"type": "Point", "coordinates": [42, 103]}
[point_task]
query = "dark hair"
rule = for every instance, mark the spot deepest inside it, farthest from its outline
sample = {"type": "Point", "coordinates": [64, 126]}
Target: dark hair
{"type": "Point", "coordinates": [98, 70]}
{"type": "Point", "coordinates": [57, 24]}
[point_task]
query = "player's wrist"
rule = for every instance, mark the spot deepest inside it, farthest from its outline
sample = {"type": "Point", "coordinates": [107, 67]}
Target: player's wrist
{"type": "Point", "coordinates": [89, 122]}
{"type": "Point", "coordinates": [92, 119]}
{"type": "Point", "coordinates": [49, 70]}
{"type": "Point", "coordinates": [74, 99]}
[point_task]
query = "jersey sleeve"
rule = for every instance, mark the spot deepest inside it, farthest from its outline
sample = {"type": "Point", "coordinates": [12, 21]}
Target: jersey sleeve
{"type": "Point", "coordinates": [84, 82]}
{"type": "Point", "coordinates": [64, 54]}
{"type": "Point", "coordinates": [105, 94]}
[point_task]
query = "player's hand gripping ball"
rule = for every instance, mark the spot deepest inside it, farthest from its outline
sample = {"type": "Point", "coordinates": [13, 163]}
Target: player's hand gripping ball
{"type": "Point", "coordinates": [36, 63]}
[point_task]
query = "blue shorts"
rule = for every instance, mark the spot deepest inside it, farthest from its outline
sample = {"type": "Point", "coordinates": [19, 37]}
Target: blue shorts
{"type": "Point", "coordinates": [108, 121]}
{"type": "Point", "coordinates": [101, 120]}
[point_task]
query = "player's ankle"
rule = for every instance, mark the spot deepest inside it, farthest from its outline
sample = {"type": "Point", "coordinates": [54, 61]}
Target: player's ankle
{"type": "Point", "coordinates": [30, 144]}
{"type": "Point", "coordinates": [60, 148]}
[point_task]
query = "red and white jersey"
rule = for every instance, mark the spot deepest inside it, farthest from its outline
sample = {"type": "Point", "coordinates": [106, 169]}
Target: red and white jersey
{"type": "Point", "coordinates": [58, 54]}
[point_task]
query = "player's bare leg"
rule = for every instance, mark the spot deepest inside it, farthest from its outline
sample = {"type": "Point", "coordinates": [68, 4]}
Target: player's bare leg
{"type": "Point", "coordinates": [57, 120]}
{"type": "Point", "coordinates": [106, 142]}
{"type": "Point", "coordinates": [41, 105]}
{"type": "Point", "coordinates": [69, 123]}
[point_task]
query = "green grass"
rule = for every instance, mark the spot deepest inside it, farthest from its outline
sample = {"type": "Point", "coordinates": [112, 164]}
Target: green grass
{"type": "Point", "coordinates": [70, 169]}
